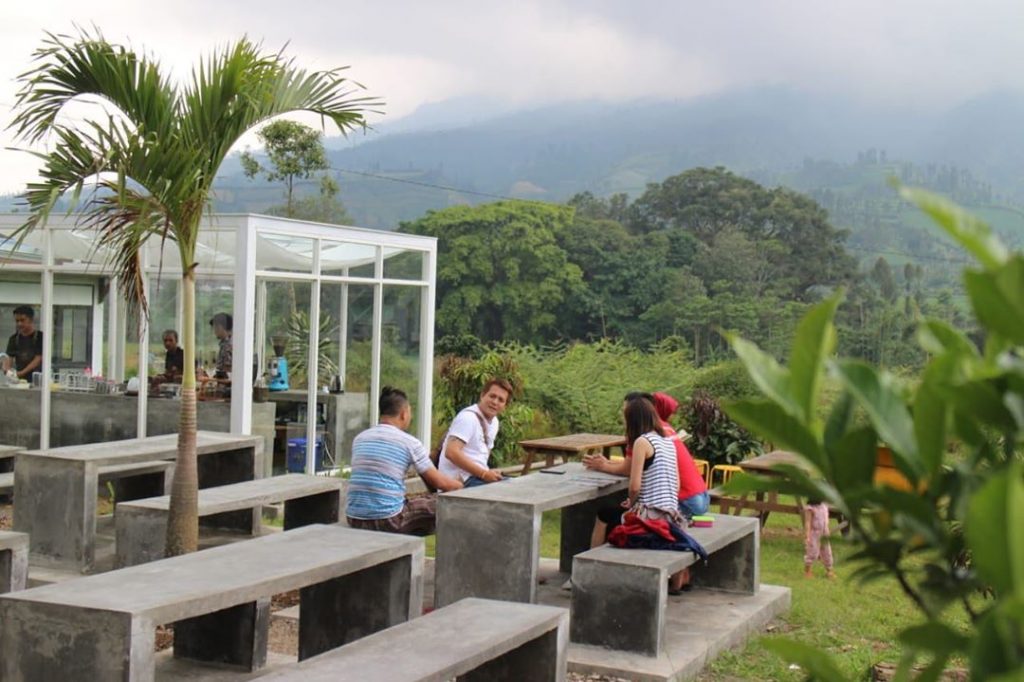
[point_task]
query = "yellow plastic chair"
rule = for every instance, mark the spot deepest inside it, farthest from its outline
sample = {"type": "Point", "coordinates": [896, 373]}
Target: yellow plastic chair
{"type": "Point", "coordinates": [727, 471]}
{"type": "Point", "coordinates": [704, 468]}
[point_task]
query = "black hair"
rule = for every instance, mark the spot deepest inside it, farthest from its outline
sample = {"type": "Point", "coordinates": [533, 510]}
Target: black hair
{"type": "Point", "coordinates": [639, 394]}
{"type": "Point", "coordinates": [223, 319]}
{"type": "Point", "coordinates": [392, 400]}
{"type": "Point", "coordinates": [25, 310]}
{"type": "Point", "coordinates": [641, 418]}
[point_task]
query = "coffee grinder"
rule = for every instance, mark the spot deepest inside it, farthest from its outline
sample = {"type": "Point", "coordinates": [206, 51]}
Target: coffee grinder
{"type": "Point", "coordinates": [278, 366]}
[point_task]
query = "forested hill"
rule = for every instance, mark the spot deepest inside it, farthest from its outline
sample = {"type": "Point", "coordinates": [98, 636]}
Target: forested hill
{"type": "Point", "coordinates": [555, 152]}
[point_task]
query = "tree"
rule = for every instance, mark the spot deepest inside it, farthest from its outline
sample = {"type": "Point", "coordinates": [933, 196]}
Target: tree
{"type": "Point", "coordinates": [153, 164]}
{"type": "Point", "coordinates": [501, 274]}
{"type": "Point", "coordinates": [949, 533]}
{"type": "Point", "coordinates": [295, 151]}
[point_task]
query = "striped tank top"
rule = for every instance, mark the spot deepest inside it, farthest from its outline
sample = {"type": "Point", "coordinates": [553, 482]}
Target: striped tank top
{"type": "Point", "coordinates": [659, 487]}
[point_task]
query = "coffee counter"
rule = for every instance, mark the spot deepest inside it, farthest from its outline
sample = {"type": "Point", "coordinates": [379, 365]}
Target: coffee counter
{"type": "Point", "coordinates": [77, 418]}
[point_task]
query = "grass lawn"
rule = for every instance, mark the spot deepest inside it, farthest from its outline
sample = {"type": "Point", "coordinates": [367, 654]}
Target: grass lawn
{"type": "Point", "coordinates": [855, 623]}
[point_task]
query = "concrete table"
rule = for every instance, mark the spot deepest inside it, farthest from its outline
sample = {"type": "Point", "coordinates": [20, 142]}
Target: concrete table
{"type": "Point", "coordinates": [488, 537]}
{"type": "Point", "coordinates": [566, 446]}
{"type": "Point", "coordinates": [102, 627]}
{"type": "Point", "coordinates": [56, 489]}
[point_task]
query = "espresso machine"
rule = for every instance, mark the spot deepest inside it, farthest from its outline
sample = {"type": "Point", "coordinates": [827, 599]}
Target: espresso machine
{"type": "Point", "coordinates": [278, 365]}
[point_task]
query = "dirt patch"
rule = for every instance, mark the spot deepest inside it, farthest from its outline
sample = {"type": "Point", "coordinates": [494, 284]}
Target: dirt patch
{"type": "Point", "coordinates": [283, 637]}
{"type": "Point", "coordinates": [284, 600]}
{"type": "Point", "coordinates": [164, 637]}
{"type": "Point", "coordinates": [6, 517]}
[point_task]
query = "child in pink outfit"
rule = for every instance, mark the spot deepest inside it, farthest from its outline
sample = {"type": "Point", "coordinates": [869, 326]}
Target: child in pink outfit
{"type": "Point", "coordinates": [816, 542]}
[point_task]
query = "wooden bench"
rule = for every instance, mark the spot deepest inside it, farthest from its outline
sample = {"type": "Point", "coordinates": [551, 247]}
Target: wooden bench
{"type": "Point", "coordinates": [619, 595]}
{"type": "Point", "coordinates": [141, 525]}
{"type": "Point", "coordinates": [13, 561]}
{"type": "Point", "coordinates": [102, 627]}
{"type": "Point", "coordinates": [472, 640]}
{"type": "Point", "coordinates": [131, 481]}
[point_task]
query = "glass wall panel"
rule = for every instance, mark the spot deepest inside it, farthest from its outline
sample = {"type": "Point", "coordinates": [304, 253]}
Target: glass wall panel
{"type": "Point", "coordinates": [28, 252]}
{"type": "Point", "coordinates": [163, 317]}
{"type": "Point", "coordinates": [400, 344]}
{"type": "Point", "coordinates": [403, 264]}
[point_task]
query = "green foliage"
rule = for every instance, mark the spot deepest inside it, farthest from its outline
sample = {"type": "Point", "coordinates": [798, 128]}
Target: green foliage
{"type": "Point", "coordinates": [501, 274]}
{"type": "Point", "coordinates": [725, 380]}
{"type": "Point", "coordinates": [713, 435]}
{"type": "Point", "coordinates": [460, 345]}
{"type": "Point", "coordinates": [461, 381]}
{"type": "Point", "coordinates": [952, 533]}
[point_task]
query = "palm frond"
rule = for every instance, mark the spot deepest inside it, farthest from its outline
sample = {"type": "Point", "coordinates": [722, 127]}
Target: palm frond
{"type": "Point", "coordinates": [68, 67]}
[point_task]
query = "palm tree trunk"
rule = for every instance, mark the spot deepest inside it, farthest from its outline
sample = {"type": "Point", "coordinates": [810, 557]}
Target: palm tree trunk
{"type": "Point", "coordinates": [183, 518]}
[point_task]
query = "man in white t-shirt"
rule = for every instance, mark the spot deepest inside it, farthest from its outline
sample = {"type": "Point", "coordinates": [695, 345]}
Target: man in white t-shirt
{"type": "Point", "coordinates": [468, 445]}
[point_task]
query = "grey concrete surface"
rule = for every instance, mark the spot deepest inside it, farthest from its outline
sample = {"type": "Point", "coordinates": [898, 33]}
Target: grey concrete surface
{"type": "Point", "coordinates": [13, 561]}
{"type": "Point", "coordinates": [488, 537]}
{"type": "Point", "coordinates": [141, 525]}
{"type": "Point", "coordinates": [7, 453]}
{"type": "Point", "coordinates": [472, 640]}
{"type": "Point", "coordinates": [55, 489]}
{"type": "Point", "coordinates": [95, 418]}
{"type": "Point", "coordinates": [619, 595]}
{"type": "Point", "coordinates": [102, 627]}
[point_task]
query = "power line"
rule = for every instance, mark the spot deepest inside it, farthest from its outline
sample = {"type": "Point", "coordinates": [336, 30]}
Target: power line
{"type": "Point", "coordinates": [424, 184]}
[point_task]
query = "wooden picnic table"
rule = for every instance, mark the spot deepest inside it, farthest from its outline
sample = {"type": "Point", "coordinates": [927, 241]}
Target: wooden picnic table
{"type": "Point", "coordinates": [574, 444]}
{"type": "Point", "coordinates": [764, 465]}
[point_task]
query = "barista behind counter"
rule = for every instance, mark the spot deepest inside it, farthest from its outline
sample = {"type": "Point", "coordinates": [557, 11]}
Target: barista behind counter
{"type": "Point", "coordinates": [222, 324]}
{"type": "Point", "coordinates": [25, 347]}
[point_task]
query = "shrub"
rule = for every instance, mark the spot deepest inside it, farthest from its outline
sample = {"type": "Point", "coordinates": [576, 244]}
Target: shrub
{"type": "Point", "coordinates": [726, 380]}
{"type": "Point", "coordinates": [713, 435]}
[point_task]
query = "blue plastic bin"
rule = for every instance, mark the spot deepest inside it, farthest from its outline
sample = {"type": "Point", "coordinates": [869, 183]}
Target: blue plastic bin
{"type": "Point", "coordinates": [296, 461]}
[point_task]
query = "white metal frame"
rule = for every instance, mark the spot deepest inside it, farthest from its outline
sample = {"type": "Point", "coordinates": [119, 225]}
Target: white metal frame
{"type": "Point", "coordinates": [248, 299]}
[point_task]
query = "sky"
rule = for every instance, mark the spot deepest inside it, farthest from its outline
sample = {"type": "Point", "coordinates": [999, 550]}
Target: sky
{"type": "Point", "coordinates": [527, 53]}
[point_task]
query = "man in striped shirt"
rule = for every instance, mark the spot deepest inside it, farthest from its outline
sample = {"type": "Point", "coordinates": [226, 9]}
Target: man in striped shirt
{"type": "Point", "coordinates": [381, 455]}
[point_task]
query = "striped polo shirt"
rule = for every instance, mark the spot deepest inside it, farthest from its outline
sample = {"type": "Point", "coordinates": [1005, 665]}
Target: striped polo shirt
{"type": "Point", "coordinates": [380, 457]}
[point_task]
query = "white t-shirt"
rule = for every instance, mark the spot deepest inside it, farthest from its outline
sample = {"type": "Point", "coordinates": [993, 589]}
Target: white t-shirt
{"type": "Point", "coordinates": [466, 427]}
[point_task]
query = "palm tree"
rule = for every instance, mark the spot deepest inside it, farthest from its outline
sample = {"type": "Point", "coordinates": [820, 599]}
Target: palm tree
{"type": "Point", "coordinates": [150, 162]}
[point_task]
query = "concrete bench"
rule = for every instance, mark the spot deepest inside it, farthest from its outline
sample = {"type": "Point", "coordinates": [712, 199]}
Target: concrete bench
{"type": "Point", "coordinates": [7, 454]}
{"type": "Point", "coordinates": [102, 627]}
{"type": "Point", "coordinates": [131, 481]}
{"type": "Point", "coordinates": [619, 595]}
{"type": "Point", "coordinates": [471, 640]}
{"type": "Point", "coordinates": [142, 524]}
{"type": "Point", "coordinates": [13, 561]}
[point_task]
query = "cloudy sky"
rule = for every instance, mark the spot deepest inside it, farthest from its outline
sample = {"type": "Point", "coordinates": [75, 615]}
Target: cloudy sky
{"type": "Point", "coordinates": [527, 53]}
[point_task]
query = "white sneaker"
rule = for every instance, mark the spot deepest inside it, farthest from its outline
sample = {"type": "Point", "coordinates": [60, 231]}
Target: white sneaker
{"type": "Point", "coordinates": [567, 585]}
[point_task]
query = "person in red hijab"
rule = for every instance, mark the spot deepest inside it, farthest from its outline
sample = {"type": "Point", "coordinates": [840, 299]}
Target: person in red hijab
{"type": "Point", "coordinates": [694, 499]}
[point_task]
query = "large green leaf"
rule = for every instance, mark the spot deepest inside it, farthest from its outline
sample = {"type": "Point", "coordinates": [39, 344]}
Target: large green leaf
{"type": "Point", "coordinates": [877, 393]}
{"type": "Point", "coordinates": [971, 232]}
{"type": "Point", "coordinates": [769, 376]}
{"type": "Point", "coordinates": [994, 533]}
{"type": "Point", "coordinates": [936, 336]}
{"type": "Point", "coordinates": [815, 339]}
{"type": "Point", "coordinates": [838, 419]}
{"type": "Point", "coordinates": [818, 664]}
{"type": "Point", "coordinates": [931, 419]}
{"type": "Point", "coordinates": [997, 650]}
{"type": "Point", "coordinates": [853, 459]}
{"type": "Point", "coordinates": [773, 423]}
{"type": "Point", "coordinates": [996, 304]}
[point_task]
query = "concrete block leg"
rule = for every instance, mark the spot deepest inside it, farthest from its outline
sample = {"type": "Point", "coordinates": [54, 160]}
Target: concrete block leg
{"type": "Point", "coordinates": [41, 641]}
{"type": "Point", "coordinates": [322, 508]}
{"type": "Point", "coordinates": [224, 468]}
{"type": "Point", "coordinates": [235, 636]}
{"type": "Point", "coordinates": [618, 608]}
{"type": "Point", "coordinates": [13, 569]}
{"type": "Point", "coordinates": [141, 535]}
{"type": "Point", "coordinates": [57, 507]}
{"type": "Point", "coordinates": [343, 609]}
{"type": "Point", "coordinates": [541, 660]}
{"type": "Point", "coordinates": [483, 551]}
{"type": "Point", "coordinates": [139, 487]}
{"type": "Point", "coordinates": [734, 568]}
{"type": "Point", "coordinates": [578, 526]}
{"type": "Point", "coordinates": [243, 521]}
